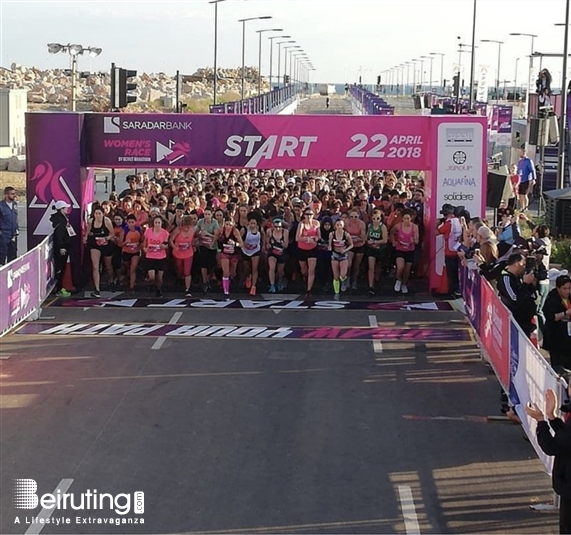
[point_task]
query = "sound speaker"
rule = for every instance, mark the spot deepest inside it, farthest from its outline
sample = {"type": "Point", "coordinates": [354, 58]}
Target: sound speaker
{"type": "Point", "coordinates": [553, 130]}
{"type": "Point", "coordinates": [418, 102]}
{"type": "Point", "coordinates": [538, 132]}
{"type": "Point", "coordinates": [495, 189]}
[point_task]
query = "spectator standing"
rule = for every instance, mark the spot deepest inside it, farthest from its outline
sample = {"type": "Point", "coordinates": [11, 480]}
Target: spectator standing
{"type": "Point", "coordinates": [9, 228]}
{"type": "Point", "coordinates": [63, 232]}
{"type": "Point", "coordinates": [517, 292]}
{"type": "Point", "coordinates": [527, 177]}
{"type": "Point", "coordinates": [557, 326]}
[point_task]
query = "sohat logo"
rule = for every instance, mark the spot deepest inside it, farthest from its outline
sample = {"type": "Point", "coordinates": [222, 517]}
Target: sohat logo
{"type": "Point", "coordinates": [459, 157]}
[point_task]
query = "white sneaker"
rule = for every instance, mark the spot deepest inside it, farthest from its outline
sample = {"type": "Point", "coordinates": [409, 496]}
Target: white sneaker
{"type": "Point", "coordinates": [404, 289]}
{"type": "Point", "coordinates": [398, 285]}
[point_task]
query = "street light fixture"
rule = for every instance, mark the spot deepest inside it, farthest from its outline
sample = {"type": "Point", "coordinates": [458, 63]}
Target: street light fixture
{"type": "Point", "coordinates": [271, 39]}
{"type": "Point", "coordinates": [499, 43]}
{"type": "Point", "coordinates": [243, 21]}
{"type": "Point", "coordinates": [530, 73]}
{"type": "Point", "coordinates": [441, 67]}
{"type": "Point", "coordinates": [260, 32]}
{"type": "Point", "coordinates": [74, 51]}
{"type": "Point", "coordinates": [280, 59]}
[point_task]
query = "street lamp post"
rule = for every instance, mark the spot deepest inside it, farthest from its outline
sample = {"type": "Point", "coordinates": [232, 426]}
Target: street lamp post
{"type": "Point", "coordinates": [473, 60]}
{"type": "Point", "coordinates": [563, 118]}
{"type": "Point", "coordinates": [260, 32]}
{"type": "Point", "coordinates": [431, 61]}
{"type": "Point", "coordinates": [271, 39]}
{"type": "Point", "coordinates": [530, 73]}
{"type": "Point", "coordinates": [441, 67]}
{"type": "Point", "coordinates": [287, 56]}
{"type": "Point", "coordinates": [515, 79]}
{"type": "Point", "coordinates": [216, 2]}
{"type": "Point", "coordinates": [280, 60]}
{"type": "Point", "coordinates": [414, 75]}
{"type": "Point", "coordinates": [73, 51]}
{"type": "Point", "coordinates": [499, 43]}
{"type": "Point", "coordinates": [243, 21]}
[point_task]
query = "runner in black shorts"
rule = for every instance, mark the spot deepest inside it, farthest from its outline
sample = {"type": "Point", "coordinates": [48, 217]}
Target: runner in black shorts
{"type": "Point", "coordinates": [377, 237]}
{"type": "Point", "coordinates": [340, 243]}
{"type": "Point", "coordinates": [277, 240]}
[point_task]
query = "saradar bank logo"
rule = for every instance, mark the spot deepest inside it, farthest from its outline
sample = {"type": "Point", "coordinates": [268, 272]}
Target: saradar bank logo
{"type": "Point", "coordinates": [115, 125]}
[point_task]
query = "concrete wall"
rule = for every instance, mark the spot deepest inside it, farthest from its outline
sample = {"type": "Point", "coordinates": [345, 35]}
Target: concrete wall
{"type": "Point", "coordinates": [13, 108]}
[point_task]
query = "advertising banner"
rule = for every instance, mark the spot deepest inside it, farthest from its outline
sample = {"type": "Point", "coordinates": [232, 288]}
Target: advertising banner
{"type": "Point", "coordinates": [482, 94]}
{"type": "Point", "coordinates": [47, 268]}
{"type": "Point", "coordinates": [531, 377]}
{"type": "Point", "coordinates": [495, 332]}
{"type": "Point", "coordinates": [20, 289]}
{"type": "Point", "coordinates": [257, 141]}
{"type": "Point", "coordinates": [471, 283]}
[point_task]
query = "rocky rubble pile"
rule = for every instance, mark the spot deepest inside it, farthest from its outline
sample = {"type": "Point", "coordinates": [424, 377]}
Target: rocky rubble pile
{"type": "Point", "coordinates": [53, 87]}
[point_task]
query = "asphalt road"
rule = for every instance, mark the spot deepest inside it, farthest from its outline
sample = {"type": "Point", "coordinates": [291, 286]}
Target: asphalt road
{"type": "Point", "coordinates": [266, 435]}
{"type": "Point", "coordinates": [315, 105]}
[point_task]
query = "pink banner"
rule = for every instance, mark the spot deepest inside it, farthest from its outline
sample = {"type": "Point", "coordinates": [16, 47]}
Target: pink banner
{"type": "Point", "coordinates": [495, 332]}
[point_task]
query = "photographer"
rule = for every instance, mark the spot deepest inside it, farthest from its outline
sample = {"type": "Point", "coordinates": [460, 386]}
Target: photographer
{"type": "Point", "coordinates": [557, 326]}
{"type": "Point", "coordinates": [516, 287]}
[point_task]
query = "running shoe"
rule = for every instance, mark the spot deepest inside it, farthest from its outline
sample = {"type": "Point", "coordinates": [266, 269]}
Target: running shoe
{"type": "Point", "coordinates": [248, 282]}
{"type": "Point", "coordinates": [112, 287]}
{"type": "Point", "coordinates": [252, 291]}
{"type": "Point", "coordinates": [281, 286]}
{"type": "Point", "coordinates": [404, 289]}
{"type": "Point", "coordinates": [63, 293]}
{"type": "Point", "coordinates": [187, 293]}
{"type": "Point", "coordinates": [96, 294]}
{"type": "Point", "coordinates": [307, 296]}
{"type": "Point", "coordinates": [205, 288]}
{"type": "Point", "coordinates": [345, 285]}
{"type": "Point", "coordinates": [354, 285]}
{"type": "Point", "coordinates": [336, 297]}
{"type": "Point", "coordinates": [272, 289]}
{"type": "Point", "coordinates": [398, 286]}
{"type": "Point", "coordinates": [159, 293]}
{"type": "Point", "coordinates": [372, 292]}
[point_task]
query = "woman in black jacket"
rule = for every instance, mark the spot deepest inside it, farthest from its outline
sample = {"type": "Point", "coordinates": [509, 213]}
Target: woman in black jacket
{"type": "Point", "coordinates": [63, 232]}
{"type": "Point", "coordinates": [557, 329]}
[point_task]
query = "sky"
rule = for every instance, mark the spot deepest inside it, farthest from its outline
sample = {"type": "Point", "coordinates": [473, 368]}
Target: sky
{"type": "Point", "coordinates": [344, 39]}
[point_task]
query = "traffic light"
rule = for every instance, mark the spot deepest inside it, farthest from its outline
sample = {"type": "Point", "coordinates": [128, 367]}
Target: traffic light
{"type": "Point", "coordinates": [286, 79]}
{"type": "Point", "coordinates": [121, 87]}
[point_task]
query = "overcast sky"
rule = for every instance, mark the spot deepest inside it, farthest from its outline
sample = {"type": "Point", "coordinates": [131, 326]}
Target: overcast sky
{"type": "Point", "coordinates": [342, 37]}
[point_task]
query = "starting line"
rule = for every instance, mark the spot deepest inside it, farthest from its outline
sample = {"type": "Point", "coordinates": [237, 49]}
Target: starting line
{"type": "Point", "coordinates": [396, 334]}
{"type": "Point", "coordinates": [247, 304]}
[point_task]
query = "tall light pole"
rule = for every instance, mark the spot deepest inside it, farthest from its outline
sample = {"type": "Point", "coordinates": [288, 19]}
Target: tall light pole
{"type": "Point", "coordinates": [216, 2]}
{"type": "Point", "coordinates": [271, 39]}
{"type": "Point", "coordinates": [414, 61]}
{"type": "Point", "coordinates": [499, 43]}
{"type": "Point", "coordinates": [243, 21]}
{"type": "Point", "coordinates": [473, 59]}
{"type": "Point", "coordinates": [286, 55]}
{"type": "Point", "coordinates": [74, 51]}
{"type": "Point", "coordinates": [530, 73]}
{"type": "Point", "coordinates": [280, 60]}
{"type": "Point", "coordinates": [441, 67]}
{"type": "Point", "coordinates": [563, 118]}
{"type": "Point", "coordinates": [260, 32]}
{"type": "Point", "coordinates": [431, 60]}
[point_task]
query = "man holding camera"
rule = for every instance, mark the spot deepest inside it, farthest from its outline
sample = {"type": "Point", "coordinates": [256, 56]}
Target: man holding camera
{"type": "Point", "coordinates": [516, 287]}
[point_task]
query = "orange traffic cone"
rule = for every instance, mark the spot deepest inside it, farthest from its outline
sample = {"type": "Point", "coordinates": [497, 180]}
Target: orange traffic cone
{"type": "Point", "coordinates": [533, 335]}
{"type": "Point", "coordinates": [67, 282]}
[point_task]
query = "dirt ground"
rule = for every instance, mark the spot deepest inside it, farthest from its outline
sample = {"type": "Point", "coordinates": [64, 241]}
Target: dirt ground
{"type": "Point", "coordinates": [16, 180]}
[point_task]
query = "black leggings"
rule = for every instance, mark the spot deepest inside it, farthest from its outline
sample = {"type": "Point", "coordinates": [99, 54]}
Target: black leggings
{"type": "Point", "coordinates": [60, 262]}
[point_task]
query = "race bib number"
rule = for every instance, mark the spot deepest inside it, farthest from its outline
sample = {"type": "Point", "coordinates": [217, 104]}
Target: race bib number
{"type": "Point", "coordinates": [278, 251]}
{"type": "Point", "coordinates": [228, 248]}
{"type": "Point", "coordinates": [100, 241]}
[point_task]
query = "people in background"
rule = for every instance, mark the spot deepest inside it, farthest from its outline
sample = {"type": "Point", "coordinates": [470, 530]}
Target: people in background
{"type": "Point", "coordinates": [557, 323]}
{"type": "Point", "coordinates": [9, 228]}
{"type": "Point", "coordinates": [62, 234]}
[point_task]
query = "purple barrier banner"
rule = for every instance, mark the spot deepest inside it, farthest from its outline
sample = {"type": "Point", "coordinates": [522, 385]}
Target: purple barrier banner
{"type": "Point", "coordinates": [257, 141]}
{"type": "Point", "coordinates": [20, 289]}
{"type": "Point", "coordinates": [47, 268]}
{"type": "Point", "coordinates": [471, 293]}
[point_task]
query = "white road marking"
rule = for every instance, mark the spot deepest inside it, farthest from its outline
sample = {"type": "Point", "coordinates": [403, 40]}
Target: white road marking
{"type": "Point", "coordinates": [408, 510]}
{"type": "Point", "coordinates": [36, 528]}
{"type": "Point", "coordinates": [162, 339]}
{"type": "Point", "coordinates": [377, 344]}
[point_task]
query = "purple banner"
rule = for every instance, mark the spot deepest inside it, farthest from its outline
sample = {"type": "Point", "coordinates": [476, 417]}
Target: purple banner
{"type": "Point", "coordinates": [505, 119]}
{"type": "Point", "coordinates": [20, 289]}
{"type": "Point", "coordinates": [471, 293]}
{"type": "Point", "coordinates": [226, 331]}
{"type": "Point", "coordinates": [47, 268]}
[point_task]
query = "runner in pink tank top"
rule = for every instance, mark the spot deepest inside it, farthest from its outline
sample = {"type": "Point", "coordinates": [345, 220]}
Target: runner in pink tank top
{"type": "Point", "coordinates": [405, 239]}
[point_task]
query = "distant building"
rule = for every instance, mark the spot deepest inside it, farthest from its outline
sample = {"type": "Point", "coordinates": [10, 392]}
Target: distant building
{"type": "Point", "coordinates": [13, 108]}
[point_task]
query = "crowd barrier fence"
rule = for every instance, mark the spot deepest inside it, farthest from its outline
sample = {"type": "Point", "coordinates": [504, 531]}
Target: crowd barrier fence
{"type": "Point", "coordinates": [268, 103]}
{"type": "Point", "coordinates": [25, 283]}
{"type": "Point", "coordinates": [367, 103]}
{"type": "Point", "coordinates": [521, 369]}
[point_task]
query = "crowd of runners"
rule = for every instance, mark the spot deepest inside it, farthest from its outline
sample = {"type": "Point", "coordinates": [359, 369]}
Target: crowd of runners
{"type": "Point", "coordinates": [258, 231]}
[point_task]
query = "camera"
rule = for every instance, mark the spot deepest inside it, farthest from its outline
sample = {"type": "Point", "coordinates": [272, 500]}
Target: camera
{"type": "Point", "coordinates": [531, 264]}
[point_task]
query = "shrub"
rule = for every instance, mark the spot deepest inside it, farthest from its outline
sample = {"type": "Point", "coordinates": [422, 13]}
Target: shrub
{"type": "Point", "coordinates": [561, 253]}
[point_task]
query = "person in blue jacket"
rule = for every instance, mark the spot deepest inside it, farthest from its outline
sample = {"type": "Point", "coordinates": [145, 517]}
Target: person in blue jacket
{"type": "Point", "coordinates": [9, 229]}
{"type": "Point", "coordinates": [526, 172]}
